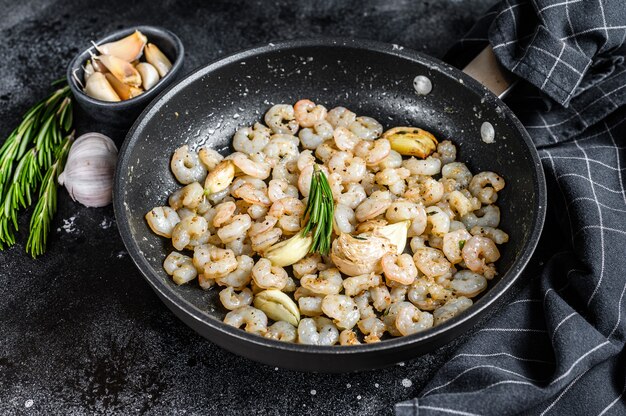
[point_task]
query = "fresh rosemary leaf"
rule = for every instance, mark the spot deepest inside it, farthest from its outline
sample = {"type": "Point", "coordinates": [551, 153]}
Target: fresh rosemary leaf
{"type": "Point", "coordinates": [28, 152]}
{"type": "Point", "coordinates": [319, 213]}
{"type": "Point", "coordinates": [47, 205]}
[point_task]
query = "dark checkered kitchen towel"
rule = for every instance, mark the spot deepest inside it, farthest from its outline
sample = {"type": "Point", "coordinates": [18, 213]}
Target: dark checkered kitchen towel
{"type": "Point", "coordinates": [558, 347]}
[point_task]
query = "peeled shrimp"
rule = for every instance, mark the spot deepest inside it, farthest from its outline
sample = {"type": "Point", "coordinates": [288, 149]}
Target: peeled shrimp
{"type": "Point", "coordinates": [485, 186]}
{"type": "Point", "coordinates": [410, 320]}
{"type": "Point", "coordinates": [281, 118]}
{"type": "Point", "coordinates": [478, 251]}
{"type": "Point", "coordinates": [320, 332]}
{"type": "Point", "coordinates": [366, 128]}
{"type": "Point", "coordinates": [251, 140]}
{"type": "Point", "coordinates": [453, 243]}
{"type": "Point", "coordinates": [232, 300]}
{"type": "Point", "coordinates": [192, 231]}
{"type": "Point", "coordinates": [312, 137]}
{"type": "Point", "coordinates": [340, 117]}
{"type": "Point", "coordinates": [267, 276]}
{"type": "Point", "coordinates": [186, 166]}
{"type": "Point", "coordinates": [327, 282]}
{"type": "Point", "coordinates": [399, 269]}
{"type": "Point", "coordinates": [162, 220]}
{"type": "Point", "coordinates": [255, 320]}
{"type": "Point", "coordinates": [282, 331]}
{"type": "Point", "coordinates": [342, 309]}
{"type": "Point", "coordinates": [468, 283]}
{"type": "Point", "coordinates": [308, 114]}
{"type": "Point", "coordinates": [180, 267]}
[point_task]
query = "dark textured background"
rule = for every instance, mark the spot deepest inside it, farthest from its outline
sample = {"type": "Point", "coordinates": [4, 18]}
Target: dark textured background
{"type": "Point", "coordinates": [80, 331]}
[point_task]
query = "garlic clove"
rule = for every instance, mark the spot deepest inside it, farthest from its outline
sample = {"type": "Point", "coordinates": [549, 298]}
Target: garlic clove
{"type": "Point", "coordinates": [121, 69]}
{"type": "Point", "coordinates": [359, 255]}
{"type": "Point", "coordinates": [277, 306]}
{"type": "Point", "coordinates": [89, 170]}
{"type": "Point", "coordinates": [156, 58]}
{"type": "Point", "coordinates": [129, 48]}
{"type": "Point", "coordinates": [289, 251]}
{"type": "Point", "coordinates": [99, 88]}
{"type": "Point", "coordinates": [124, 91]}
{"type": "Point", "coordinates": [149, 75]}
{"type": "Point", "coordinates": [88, 70]}
{"type": "Point", "coordinates": [395, 233]}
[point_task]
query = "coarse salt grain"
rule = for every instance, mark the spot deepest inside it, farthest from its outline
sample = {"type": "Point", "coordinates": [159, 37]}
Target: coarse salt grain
{"type": "Point", "coordinates": [313, 392]}
{"type": "Point", "coordinates": [407, 383]}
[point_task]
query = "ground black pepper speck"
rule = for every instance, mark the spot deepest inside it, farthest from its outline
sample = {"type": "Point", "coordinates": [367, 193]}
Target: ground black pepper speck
{"type": "Point", "coordinates": [81, 331]}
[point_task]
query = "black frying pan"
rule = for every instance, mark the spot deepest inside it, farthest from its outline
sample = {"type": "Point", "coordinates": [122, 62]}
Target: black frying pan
{"type": "Point", "coordinates": [370, 78]}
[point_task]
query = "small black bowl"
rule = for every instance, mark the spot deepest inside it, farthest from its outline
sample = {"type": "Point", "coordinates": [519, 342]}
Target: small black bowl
{"type": "Point", "coordinates": [122, 114]}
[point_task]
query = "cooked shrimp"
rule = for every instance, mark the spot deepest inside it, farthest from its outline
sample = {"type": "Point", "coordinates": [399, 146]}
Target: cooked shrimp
{"type": "Point", "coordinates": [340, 117]}
{"type": "Point", "coordinates": [446, 151]}
{"type": "Point", "coordinates": [190, 232]}
{"type": "Point", "coordinates": [281, 118]}
{"type": "Point", "coordinates": [236, 228]}
{"type": "Point", "coordinates": [400, 268]}
{"type": "Point", "coordinates": [258, 168]}
{"type": "Point", "coordinates": [498, 236]}
{"type": "Point", "coordinates": [267, 276]}
{"type": "Point", "coordinates": [180, 267]}
{"type": "Point", "coordinates": [224, 213]}
{"type": "Point", "coordinates": [342, 309]}
{"type": "Point", "coordinates": [282, 331]}
{"type": "Point", "coordinates": [186, 166]}
{"type": "Point", "coordinates": [410, 320]}
{"type": "Point", "coordinates": [468, 283]}
{"type": "Point", "coordinates": [221, 263]}
{"type": "Point", "coordinates": [366, 128]}
{"type": "Point", "coordinates": [376, 204]}
{"type": "Point", "coordinates": [451, 309]}
{"type": "Point", "coordinates": [265, 240]}
{"type": "Point", "coordinates": [457, 171]}
{"type": "Point", "coordinates": [459, 203]}
{"type": "Point", "coordinates": [429, 166]}
{"type": "Point", "coordinates": [453, 243]}
{"type": "Point", "coordinates": [312, 137]}
{"type": "Point", "coordinates": [485, 186]}
{"type": "Point", "coordinates": [310, 305]}
{"type": "Point", "coordinates": [352, 196]}
{"type": "Point", "coordinates": [279, 189]}
{"type": "Point", "coordinates": [232, 300]}
{"type": "Point", "coordinates": [359, 284]}
{"type": "Point", "coordinates": [162, 220]}
{"type": "Point", "coordinates": [326, 150]}
{"type": "Point", "coordinates": [431, 262]}
{"type": "Point", "coordinates": [427, 294]}
{"type": "Point", "coordinates": [252, 195]}
{"type": "Point", "coordinates": [348, 337]}
{"type": "Point", "coordinates": [289, 212]}
{"type": "Point", "coordinates": [478, 251]}
{"type": "Point", "coordinates": [393, 160]}
{"type": "Point", "coordinates": [392, 176]}
{"type": "Point", "coordinates": [327, 282]}
{"type": "Point", "coordinates": [210, 157]}
{"type": "Point", "coordinates": [308, 114]}
{"type": "Point", "coordinates": [251, 140]}
{"type": "Point", "coordinates": [240, 276]}
{"type": "Point", "coordinates": [345, 139]}
{"type": "Point", "coordinates": [381, 299]}
{"type": "Point", "coordinates": [344, 219]}
{"type": "Point", "coordinates": [350, 168]}
{"type": "Point", "coordinates": [320, 332]}
{"type": "Point", "coordinates": [308, 265]}
{"type": "Point", "coordinates": [487, 216]}
{"type": "Point", "coordinates": [373, 328]}
{"type": "Point", "coordinates": [438, 220]}
{"type": "Point", "coordinates": [255, 320]}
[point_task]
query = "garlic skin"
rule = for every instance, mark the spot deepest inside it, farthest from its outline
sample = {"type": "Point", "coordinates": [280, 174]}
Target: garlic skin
{"type": "Point", "coordinates": [359, 255]}
{"type": "Point", "coordinates": [89, 170]}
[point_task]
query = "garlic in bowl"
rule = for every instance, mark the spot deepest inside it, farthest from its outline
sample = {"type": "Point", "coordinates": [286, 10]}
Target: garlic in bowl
{"type": "Point", "coordinates": [113, 89]}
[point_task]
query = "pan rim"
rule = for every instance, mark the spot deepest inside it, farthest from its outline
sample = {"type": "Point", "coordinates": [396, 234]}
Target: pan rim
{"type": "Point", "coordinates": [468, 318]}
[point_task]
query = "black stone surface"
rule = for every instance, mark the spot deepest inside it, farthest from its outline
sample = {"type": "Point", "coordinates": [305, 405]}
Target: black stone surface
{"type": "Point", "coordinates": [80, 330]}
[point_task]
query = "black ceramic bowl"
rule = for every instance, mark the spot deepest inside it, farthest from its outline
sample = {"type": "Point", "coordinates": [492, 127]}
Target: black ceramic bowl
{"type": "Point", "coordinates": [370, 78]}
{"type": "Point", "coordinates": [124, 113]}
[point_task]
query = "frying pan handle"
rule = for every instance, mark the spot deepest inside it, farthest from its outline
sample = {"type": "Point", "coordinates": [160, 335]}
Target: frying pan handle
{"type": "Point", "coordinates": [486, 69]}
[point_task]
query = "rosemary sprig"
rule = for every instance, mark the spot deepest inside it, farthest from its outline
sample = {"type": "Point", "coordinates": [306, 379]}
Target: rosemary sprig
{"type": "Point", "coordinates": [47, 205]}
{"type": "Point", "coordinates": [320, 209]}
{"type": "Point", "coordinates": [28, 153]}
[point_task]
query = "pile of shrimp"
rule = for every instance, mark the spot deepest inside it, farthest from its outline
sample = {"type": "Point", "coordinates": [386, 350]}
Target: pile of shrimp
{"type": "Point", "coordinates": [221, 229]}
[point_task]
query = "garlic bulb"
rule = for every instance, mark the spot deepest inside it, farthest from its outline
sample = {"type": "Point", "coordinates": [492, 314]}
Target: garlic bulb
{"type": "Point", "coordinates": [88, 174]}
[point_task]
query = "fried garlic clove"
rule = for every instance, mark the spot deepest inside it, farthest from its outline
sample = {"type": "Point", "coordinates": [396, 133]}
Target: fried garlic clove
{"type": "Point", "coordinates": [156, 58]}
{"type": "Point", "coordinates": [411, 141]}
{"type": "Point", "coordinates": [149, 75]}
{"type": "Point", "coordinates": [121, 70]}
{"type": "Point", "coordinates": [277, 306]}
{"type": "Point", "coordinates": [128, 48]}
{"type": "Point", "coordinates": [99, 88]}
{"type": "Point", "coordinates": [124, 91]}
{"type": "Point", "coordinates": [289, 251]}
{"type": "Point", "coordinates": [219, 178]}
